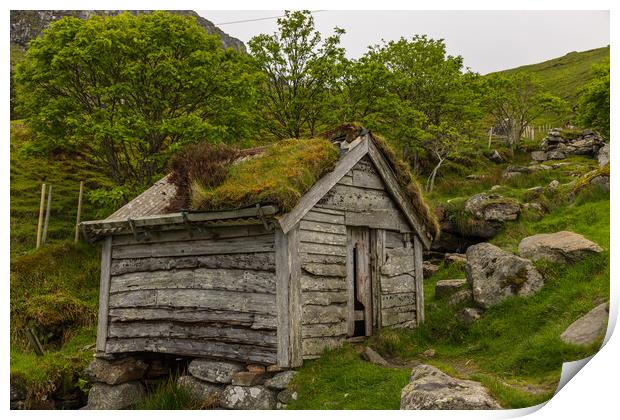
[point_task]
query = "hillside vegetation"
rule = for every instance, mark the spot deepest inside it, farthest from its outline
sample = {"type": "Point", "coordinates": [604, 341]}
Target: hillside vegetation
{"type": "Point", "coordinates": [565, 76]}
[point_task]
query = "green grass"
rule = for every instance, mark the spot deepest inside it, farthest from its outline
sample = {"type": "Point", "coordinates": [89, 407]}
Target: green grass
{"type": "Point", "coordinates": [28, 171]}
{"type": "Point", "coordinates": [281, 175]}
{"type": "Point", "coordinates": [342, 380]}
{"type": "Point", "coordinates": [55, 370]}
{"type": "Point", "coordinates": [169, 396]}
{"type": "Point", "coordinates": [514, 349]}
{"type": "Point", "coordinates": [55, 289]}
{"type": "Point", "coordinates": [565, 76]}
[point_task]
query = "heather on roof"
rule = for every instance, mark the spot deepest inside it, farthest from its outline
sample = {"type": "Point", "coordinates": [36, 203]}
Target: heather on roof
{"type": "Point", "coordinates": [279, 174]}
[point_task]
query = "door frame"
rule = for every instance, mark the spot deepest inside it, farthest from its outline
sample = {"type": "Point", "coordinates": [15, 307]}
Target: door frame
{"type": "Point", "coordinates": [369, 239]}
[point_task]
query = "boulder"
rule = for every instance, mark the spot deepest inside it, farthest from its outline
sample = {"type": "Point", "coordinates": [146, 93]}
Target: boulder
{"type": "Point", "coordinates": [553, 185]}
{"type": "Point", "coordinates": [200, 390]}
{"type": "Point", "coordinates": [468, 316]}
{"type": "Point", "coordinates": [602, 181]}
{"type": "Point", "coordinates": [496, 156]}
{"type": "Point", "coordinates": [214, 371]}
{"type": "Point", "coordinates": [455, 258]}
{"type": "Point", "coordinates": [115, 397]}
{"type": "Point", "coordinates": [493, 207]}
{"type": "Point", "coordinates": [373, 357]}
{"type": "Point", "coordinates": [247, 398]}
{"type": "Point", "coordinates": [460, 297]}
{"type": "Point", "coordinates": [431, 389]}
{"type": "Point", "coordinates": [603, 155]}
{"type": "Point", "coordinates": [562, 247]}
{"type": "Point", "coordinates": [114, 372]}
{"type": "Point", "coordinates": [495, 274]}
{"type": "Point", "coordinates": [281, 380]}
{"type": "Point", "coordinates": [539, 156]}
{"type": "Point", "coordinates": [248, 378]}
{"type": "Point", "coordinates": [428, 268]}
{"type": "Point", "coordinates": [589, 328]}
{"type": "Point", "coordinates": [448, 287]}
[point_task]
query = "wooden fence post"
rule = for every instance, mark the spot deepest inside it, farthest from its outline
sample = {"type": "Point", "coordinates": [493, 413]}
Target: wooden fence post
{"type": "Point", "coordinates": [47, 214]}
{"type": "Point", "coordinates": [79, 213]}
{"type": "Point", "coordinates": [41, 208]}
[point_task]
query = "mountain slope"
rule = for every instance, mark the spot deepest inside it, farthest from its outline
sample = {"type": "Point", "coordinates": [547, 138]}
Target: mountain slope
{"type": "Point", "coordinates": [28, 24]}
{"type": "Point", "coordinates": [565, 76]}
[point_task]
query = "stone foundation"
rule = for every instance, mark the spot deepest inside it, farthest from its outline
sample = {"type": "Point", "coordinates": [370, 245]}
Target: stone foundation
{"type": "Point", "coordinates": [121, 383]}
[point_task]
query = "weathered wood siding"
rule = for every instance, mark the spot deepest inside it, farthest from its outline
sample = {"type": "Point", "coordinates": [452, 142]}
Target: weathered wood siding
{"type": "Point", "coordinates": [358, 199]}
{"type": "Point", "coordinates": [201, 293]}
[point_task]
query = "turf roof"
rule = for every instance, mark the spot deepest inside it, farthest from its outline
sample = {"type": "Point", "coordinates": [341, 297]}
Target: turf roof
{"type": "Point", "coordinates": [283, 172]}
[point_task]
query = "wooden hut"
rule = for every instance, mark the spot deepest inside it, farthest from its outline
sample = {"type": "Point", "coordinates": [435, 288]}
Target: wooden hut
{"type": "Point", "coordinates": [261, 285]}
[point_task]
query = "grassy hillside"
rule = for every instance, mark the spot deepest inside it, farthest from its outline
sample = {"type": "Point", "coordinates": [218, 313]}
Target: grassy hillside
{"type": "Point", "coordinates": [54, 290]}
{"type": "Point", "coordinates": [565, 76]}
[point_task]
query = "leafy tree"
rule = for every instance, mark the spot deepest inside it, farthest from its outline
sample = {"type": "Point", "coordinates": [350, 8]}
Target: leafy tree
{"type": "Point", "coordinates": [129, 90]}
{"type": "Point", "coordinates": [418, 95]}
{"type": "Point", "coordinates": [593, 107]}
{"type": "Point", "coordinates": [300, 70]}
{"type": "Point", "coordinates": [515, 100]}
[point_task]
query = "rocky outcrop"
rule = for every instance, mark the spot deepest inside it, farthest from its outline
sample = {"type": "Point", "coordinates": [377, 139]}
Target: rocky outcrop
{"type": "Point", "coordinates": [431, 389]}
{"type": "Point", "coordinates": [561, 247]}
{"type": "Point", "coordinates": [589, 328]}
{"type": "Point", "coordinates": [482, 217]}
{"type": "Point", "coordinates": [247, 398]}
{"type": "Point", "coordinates": [560, 144]}
{"type": "Point", "coordinates": [495, 275]}
{"type": "Point", "coordinates": [114, 372]}
{"type": "Point", "coordinates": [28, 24]}
{"type": "Point", "coordinates": [493, 207]}
{"type": "Point", "coordinates": [115, 397]}
{"type": "Point", "coordinates": [214, 371]}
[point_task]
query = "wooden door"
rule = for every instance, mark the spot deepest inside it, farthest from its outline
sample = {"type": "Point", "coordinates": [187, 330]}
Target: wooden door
{"type": "Point", "coordinates": [360, 313]}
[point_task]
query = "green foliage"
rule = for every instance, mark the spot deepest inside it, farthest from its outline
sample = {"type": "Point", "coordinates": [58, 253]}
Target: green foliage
{"type": "Point", "coordinates": [127, 89]}
{"type": "Point", "coordinates": [417, 95]}
{"type": "Point", "coordinates": [300, 72]}
{"type": "Point", "coordinates": [280, 175]}
{"type": "Point", "coordinates": [515, 100]}
{"type": "Point", "coordinates": [593, 107]}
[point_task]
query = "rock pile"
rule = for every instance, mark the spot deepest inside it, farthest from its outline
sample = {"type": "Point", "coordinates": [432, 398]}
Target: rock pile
{"type": "Point", "coordinates": [560, 144]}
{"type": "Point", "coordinates": [121, 383]}
{"type": "Point", "coordinates": [237, 386]}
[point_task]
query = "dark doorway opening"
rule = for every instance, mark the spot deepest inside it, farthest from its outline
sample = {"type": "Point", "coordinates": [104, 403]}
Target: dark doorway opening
{"type": "Point", "coordinates": [358, 307]}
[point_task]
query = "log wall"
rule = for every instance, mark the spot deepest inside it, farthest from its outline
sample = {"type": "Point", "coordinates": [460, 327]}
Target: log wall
{"type": "Point", "coordinates": [201, 293]}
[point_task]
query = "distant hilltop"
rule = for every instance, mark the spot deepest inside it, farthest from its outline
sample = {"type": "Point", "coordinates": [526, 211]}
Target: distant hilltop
{"type": "Point", "coordinates": [28, 24]}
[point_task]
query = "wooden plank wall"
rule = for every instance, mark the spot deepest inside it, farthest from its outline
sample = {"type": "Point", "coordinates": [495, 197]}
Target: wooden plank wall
{"type": "Point", "coordinates": [358, 199]}
{"type": "Point", "coordinates": [210, 293]}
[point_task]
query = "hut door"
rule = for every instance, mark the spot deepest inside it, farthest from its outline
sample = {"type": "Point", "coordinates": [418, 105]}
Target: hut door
{"type": "Point", "coordinates": [360, 287]}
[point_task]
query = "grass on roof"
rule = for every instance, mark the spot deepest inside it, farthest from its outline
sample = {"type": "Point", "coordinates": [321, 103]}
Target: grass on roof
{"type": "Point", "coordinates": [281, 175]}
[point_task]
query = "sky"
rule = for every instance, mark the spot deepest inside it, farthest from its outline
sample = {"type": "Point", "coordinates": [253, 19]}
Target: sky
{"type": "Point", "coordinates": [487, 40]}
